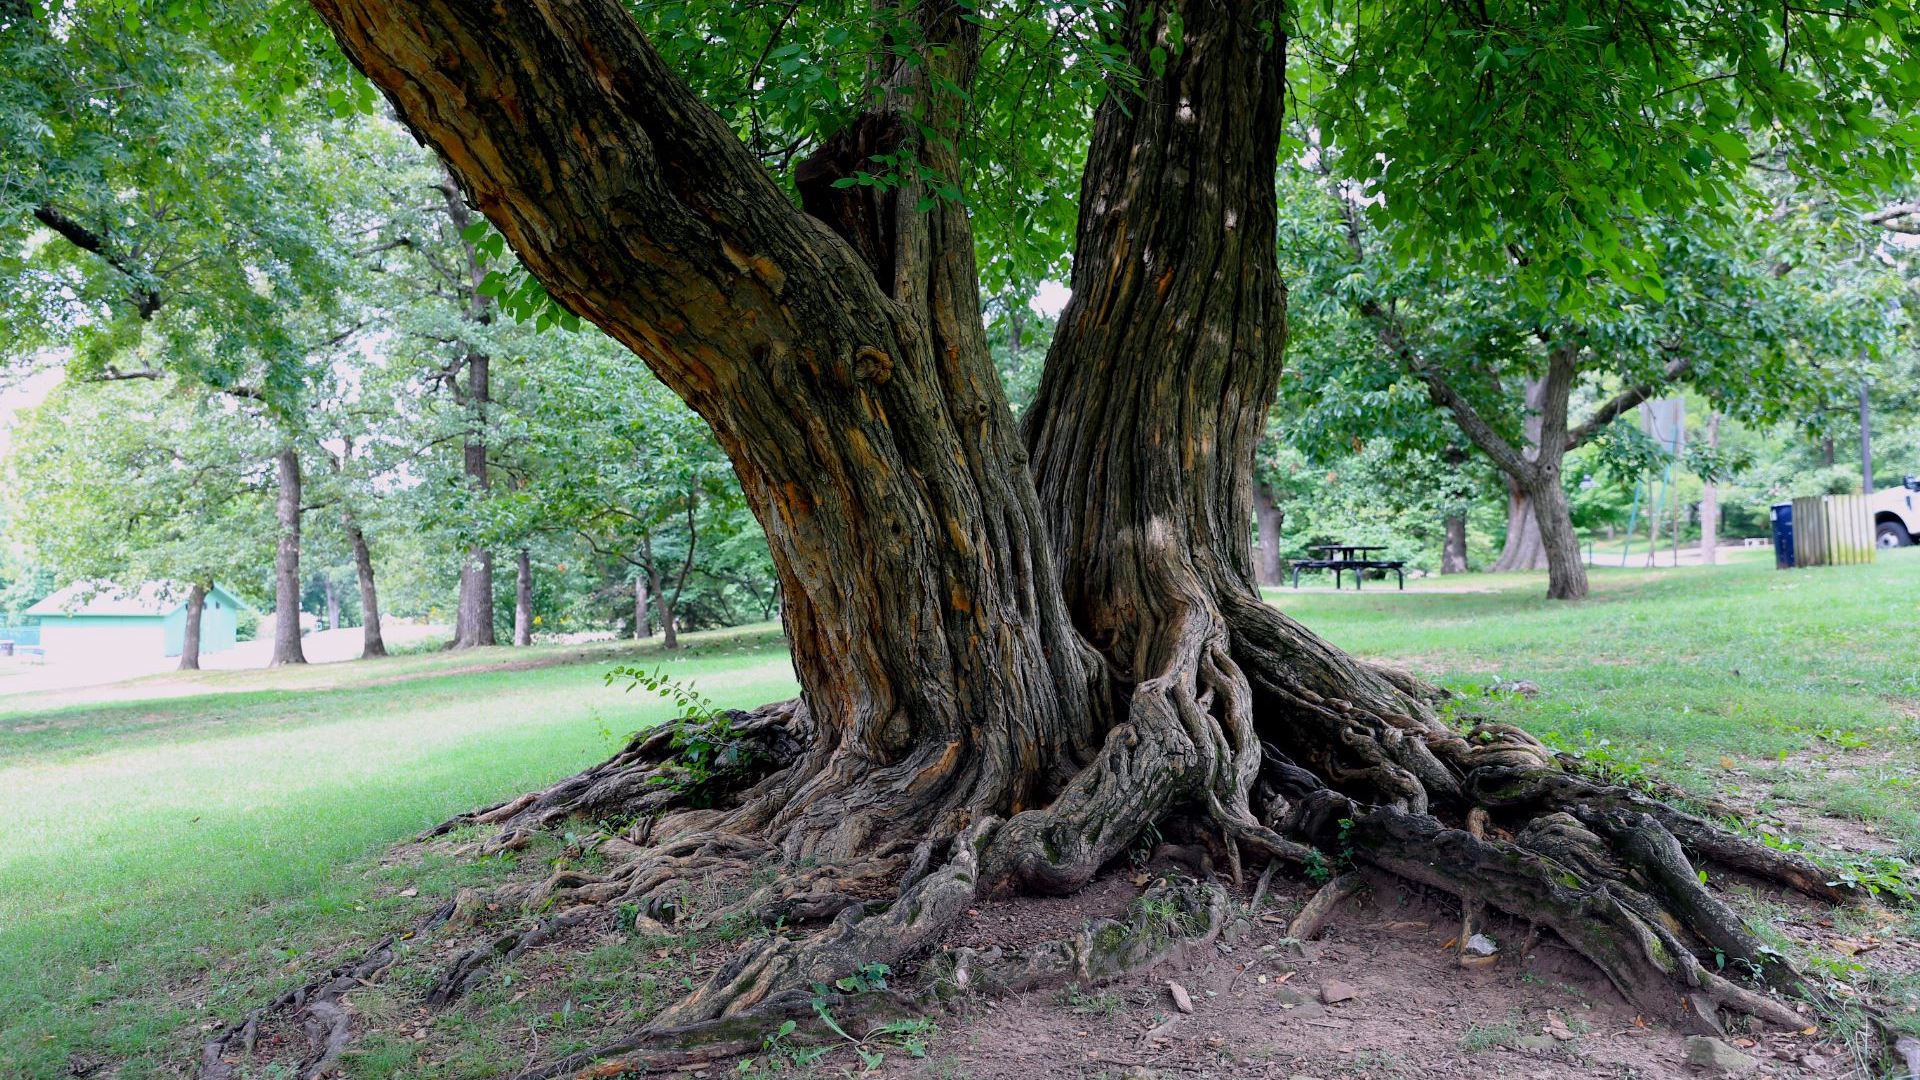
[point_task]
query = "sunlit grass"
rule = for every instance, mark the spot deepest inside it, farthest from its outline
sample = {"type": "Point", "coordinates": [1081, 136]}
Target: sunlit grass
{"type": "Point", "coordinates": [127, 871]}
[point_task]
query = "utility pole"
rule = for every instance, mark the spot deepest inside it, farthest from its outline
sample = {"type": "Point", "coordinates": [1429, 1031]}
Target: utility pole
{"type": "Point", "coordinates": [1866, 442]}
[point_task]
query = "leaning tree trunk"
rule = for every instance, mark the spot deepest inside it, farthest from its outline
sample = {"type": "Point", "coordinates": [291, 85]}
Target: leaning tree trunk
{"type": "Point", "coordinates": [190, 638]}
{"type": "Point", "coordinates": [1268, 518]}
{"type": "Point", "coordinates": [523, 599]}
{"type": "Point", "coordinates": [1453, 546]}
{"type": "Point", "coordinates": [372, 644]}
{"type": "Point", "coordinates": [845, 373]}
{"type": "Point", "coordinates": [994, 695]}
{"type": "Point", "coordinates": [286, 564]}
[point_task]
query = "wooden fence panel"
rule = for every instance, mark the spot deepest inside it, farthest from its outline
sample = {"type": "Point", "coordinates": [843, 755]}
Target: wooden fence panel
{"type": "Point", "coordinates": [1832, 530]}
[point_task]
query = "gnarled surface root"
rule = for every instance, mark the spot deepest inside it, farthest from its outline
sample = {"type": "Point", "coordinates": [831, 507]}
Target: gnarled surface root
{"type": "Point", "coordinates": [316, 1007]}
{"type": "Point", "coordinates": [1243, 724]}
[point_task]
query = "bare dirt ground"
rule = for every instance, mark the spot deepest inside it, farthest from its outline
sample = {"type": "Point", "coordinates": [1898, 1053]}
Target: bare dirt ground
{"type": "Point", "coordinates": [1380, 995]}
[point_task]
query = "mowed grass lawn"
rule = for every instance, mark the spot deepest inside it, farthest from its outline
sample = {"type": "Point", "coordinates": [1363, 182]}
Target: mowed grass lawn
{"type": "Point", "coordinates": [151, 842]}
{"type": "Point", "coordinates": [169, 860]}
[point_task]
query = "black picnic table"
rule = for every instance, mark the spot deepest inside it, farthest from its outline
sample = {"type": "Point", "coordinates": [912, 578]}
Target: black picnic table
{"type": "Point", "coordinates": [1340, 558]}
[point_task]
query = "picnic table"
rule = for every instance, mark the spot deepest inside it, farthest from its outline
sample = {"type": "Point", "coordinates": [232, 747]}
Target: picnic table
{"type": "Point", "coordinates": [1341, 558]}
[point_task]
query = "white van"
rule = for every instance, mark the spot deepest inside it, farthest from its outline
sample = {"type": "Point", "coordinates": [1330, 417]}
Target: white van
{"type": "Point", "coordinates": [1896, 514]}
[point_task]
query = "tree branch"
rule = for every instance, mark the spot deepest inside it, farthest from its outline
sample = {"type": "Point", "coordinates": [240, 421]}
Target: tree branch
{"type": "Point", "coordinates": [1626, 399]}
{"type": "Point", "coordinates": [146, 299]}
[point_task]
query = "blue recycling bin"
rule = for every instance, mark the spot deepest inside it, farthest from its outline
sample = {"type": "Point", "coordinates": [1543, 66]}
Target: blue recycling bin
{"type": "Point", "coordinates": [1783, 536]}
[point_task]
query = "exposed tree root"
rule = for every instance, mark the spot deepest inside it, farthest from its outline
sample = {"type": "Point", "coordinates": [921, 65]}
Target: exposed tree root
{"type": "Point", "coordinates": [1247, 733]}
{"type": "Point", "coordinates": [316, 1007]}
{"type": "Point", "coordinates": [1313, 917]}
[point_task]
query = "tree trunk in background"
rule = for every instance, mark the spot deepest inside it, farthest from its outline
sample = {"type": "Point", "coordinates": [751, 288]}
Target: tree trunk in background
{"type": "Point", "coordinates": [332, 600]}
{"type": "Point", "coordinates": [669, 633]}
{"type": "Point", "coordinates": [372, 644]}
{"type": "Point", "coordinates": [1523, 548]}
{"type": "Point", "coordinates": [1866, 442]}
{"type": "Point", "coordinates": [1710, 503]}
{"type": "Point", "coordinates": [1269, 518]}
{"type": "Point", "coordinates": [190, 641]}
{"type": "Point", "coordinates": [1566, 570]}
{"type": "Point", "coordinates": [1453, 547]}
{"type": "Point", "coordinates": [1539, 520]}
{"type": "Point", "coordinates": [523, 600]}
{"type": "Point", "coordinates": [286, 564]}
{"type": "Point", "coordinates": [473, 622]}
{"type": "Point", "coordinates": [642, 609]}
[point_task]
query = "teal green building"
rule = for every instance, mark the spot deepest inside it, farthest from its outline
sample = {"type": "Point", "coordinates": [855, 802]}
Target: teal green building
{"type": "Point", "coordinates": [90, 619]}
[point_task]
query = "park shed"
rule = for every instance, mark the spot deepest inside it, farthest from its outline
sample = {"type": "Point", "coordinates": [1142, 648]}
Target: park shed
{"type": "Point", "coordinates": [91, 619]}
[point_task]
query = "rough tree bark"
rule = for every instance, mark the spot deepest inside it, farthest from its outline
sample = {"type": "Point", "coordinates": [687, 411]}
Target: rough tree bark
{"type": "Point", "coordinates": [286, 563]}
{"type": "Point", "coordinates": [1268, 519]}
{"type": "Point", "coordinates": [1453, 547]}
{"type": "Point", "coordinates": [1007, 674]}
{"type": "Point", "coordinates": [523, 599]}
{"type": "Point", "coordinates": [190, 639]}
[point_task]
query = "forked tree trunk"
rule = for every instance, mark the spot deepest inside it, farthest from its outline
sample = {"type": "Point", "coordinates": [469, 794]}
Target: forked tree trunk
{"type": "Point", "coordinates": [286, 563]}
{"type": "Point", "coordinates": [372, 644]}
{"type": "Point", "coordinates": [1268, 519]}
{"type": "Point", "coordinates": [523, 599]}
{"type": "Point", "coordinates": [1453, 545]}
{"type": "Point", "coordinates": [1006, 675]}
{"type": "Point", "coordinates": [190, 638]}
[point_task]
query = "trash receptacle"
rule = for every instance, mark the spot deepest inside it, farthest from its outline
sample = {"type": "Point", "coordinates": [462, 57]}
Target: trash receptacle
{"type": "Point", "coordinates": [1783, 536]}
{"type": "Point", "coordinates": [6, 648]}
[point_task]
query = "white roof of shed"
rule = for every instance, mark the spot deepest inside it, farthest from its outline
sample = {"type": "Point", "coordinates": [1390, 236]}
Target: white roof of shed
{"type": "Point", "coordinates": [155, 598]}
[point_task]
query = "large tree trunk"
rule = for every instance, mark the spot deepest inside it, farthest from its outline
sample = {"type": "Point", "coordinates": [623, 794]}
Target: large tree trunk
{"type": "Point", "coordinates": [1453, 546]}
{"type": "Point", "coordinates": [1710, 503]}
{"type": "Point", "coordinates": [286, 563]}
{"type": "Point", "coordinates": [1007, 676]}
{"type": "Point", "coordinates": [371, 643]}
{"type": "Point", "coordinates": [1268, 518]}
{"type": "Point", "coordinates": [847, 377]}
{"type": "Point", "coordinates": [190, 639]}
{"type": "Point", "coordinates": [523, 599]}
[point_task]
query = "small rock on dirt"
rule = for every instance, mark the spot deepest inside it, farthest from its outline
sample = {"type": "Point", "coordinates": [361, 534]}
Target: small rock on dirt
{"type": "Point", "coordinates": [1481, 945]}
{"type": "Point", "coordinates": [1333, 990]}
{"type": "Point", "coordinates": [1717, 1057]}
{"type": "Point", "coordinates": [1181, 999]}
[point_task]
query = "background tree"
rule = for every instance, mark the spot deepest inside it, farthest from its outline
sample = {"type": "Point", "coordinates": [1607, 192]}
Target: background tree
{"type": "Point", "coordinates": [130, 483]}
